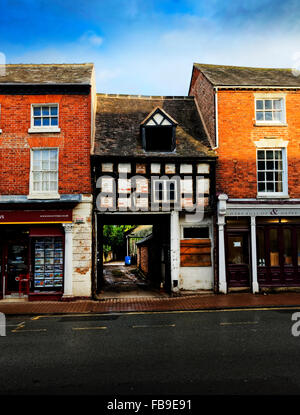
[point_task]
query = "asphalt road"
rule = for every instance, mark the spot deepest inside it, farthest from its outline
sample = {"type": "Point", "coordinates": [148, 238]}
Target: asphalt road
{"type": "Point", "coordinates": [195, 353]}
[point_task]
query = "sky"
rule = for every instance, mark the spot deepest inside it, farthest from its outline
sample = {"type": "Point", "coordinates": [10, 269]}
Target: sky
{"type": "Point", "coordinates": [148, 47]}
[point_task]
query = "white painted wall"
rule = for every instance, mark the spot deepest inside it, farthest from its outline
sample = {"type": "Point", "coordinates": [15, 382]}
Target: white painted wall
{"type": "Point", "coordinates": [82, 248]}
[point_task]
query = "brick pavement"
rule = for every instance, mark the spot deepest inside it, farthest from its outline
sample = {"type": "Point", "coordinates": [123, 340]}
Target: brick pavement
{"type": "Point", "coordinates": [192, 302]}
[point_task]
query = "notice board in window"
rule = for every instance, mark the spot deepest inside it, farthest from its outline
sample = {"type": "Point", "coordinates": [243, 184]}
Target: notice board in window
{"type": "Point", "coordinates": [195, 253]}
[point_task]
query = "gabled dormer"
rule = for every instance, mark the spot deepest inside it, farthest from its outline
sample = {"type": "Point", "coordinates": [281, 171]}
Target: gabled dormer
{"type": "Point", "coordinates": [158, 131]}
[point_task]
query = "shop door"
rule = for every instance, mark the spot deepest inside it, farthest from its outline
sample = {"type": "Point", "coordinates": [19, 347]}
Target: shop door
{"type": "Point", "coordinates": [278, 249]}
{"type": "Point", "coordinates": [237, 259]}
{"type": "Point", "coordinates": [14, 263]}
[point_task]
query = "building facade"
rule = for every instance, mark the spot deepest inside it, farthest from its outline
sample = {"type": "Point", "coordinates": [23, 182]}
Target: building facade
{"type": "Point", "coordinates": [153, 165]}
{"type": "Point", "coordinates": [46, 126]}
{"type": "Point", "coordinates": [253, 122]}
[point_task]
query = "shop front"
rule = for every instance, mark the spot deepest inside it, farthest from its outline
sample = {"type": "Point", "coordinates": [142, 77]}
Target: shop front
{"type": "Point", "coordinates": [259, 245]}
{"type": "Point", "coordinates": [33, 248]}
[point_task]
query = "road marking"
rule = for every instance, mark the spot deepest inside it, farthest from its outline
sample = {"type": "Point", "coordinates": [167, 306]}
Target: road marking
{"type": "Point", "coordinates": [238, 322]}
{"type": "Point", "coordinates": [89, 328]}
{"type": "Point", "coordinates": [153, 325]}
{"type": "Point", "coordinates": [22, 331]}
{"type": "Point", "coordinates": [19, 326]}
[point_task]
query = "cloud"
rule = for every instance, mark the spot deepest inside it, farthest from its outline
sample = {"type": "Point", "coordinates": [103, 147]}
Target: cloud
{"type": "Point", "coordinates": [91, 38]}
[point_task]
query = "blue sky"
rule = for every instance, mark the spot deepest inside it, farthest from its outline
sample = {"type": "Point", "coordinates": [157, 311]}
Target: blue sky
{"type": "Point", "coordinates": [149, 46]}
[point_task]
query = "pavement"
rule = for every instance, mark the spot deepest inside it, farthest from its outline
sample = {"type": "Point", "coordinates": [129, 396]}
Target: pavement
{"type": "Point", "coordinates": [147, 304]}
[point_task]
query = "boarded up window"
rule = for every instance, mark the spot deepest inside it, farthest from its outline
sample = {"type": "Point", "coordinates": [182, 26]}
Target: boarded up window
{"type": "Point", "coordinates": [195, 253]}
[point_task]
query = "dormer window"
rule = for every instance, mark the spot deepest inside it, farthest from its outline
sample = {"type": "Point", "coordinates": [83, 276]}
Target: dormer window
{"type": "Point", "coordinates": [158, 132]}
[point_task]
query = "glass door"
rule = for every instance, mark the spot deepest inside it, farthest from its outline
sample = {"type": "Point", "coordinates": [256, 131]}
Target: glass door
{"type": "Point", "coordinates": [17, 263]}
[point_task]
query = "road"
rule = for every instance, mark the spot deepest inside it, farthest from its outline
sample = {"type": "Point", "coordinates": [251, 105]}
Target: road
{"type": "Point", "coordinates": [200, 353]}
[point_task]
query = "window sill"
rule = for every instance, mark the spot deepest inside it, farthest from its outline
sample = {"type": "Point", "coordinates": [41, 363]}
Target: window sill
{"type": "Point", "coordinates": [46, 196]}
{"type": "Point", "coordinates": [44, 130]}
{"type": "Point", "coordinates": [272, 196]}
{"type": "Point", "coordinates": [270, 124]}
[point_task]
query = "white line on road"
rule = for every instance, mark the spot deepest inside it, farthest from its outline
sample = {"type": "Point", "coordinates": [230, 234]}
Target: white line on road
{"type": "Point", "coordinates": [238, 322]}
{"type": "Point", "coordinates": [89, 328]}
{"type": "Point", "coordinates": [153, 325]}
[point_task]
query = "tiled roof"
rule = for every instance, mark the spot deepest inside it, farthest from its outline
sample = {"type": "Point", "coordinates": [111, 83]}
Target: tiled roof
{"type": "Point", "coordinates": [245, 76]}
{"type": "Point", "coordinates": [118, 122]}
{"type": "Point", "coordinates": [46, 74]}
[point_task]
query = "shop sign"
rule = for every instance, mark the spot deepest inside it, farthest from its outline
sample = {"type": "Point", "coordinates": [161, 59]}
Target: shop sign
{"type": "Point", "coordinates": [35, 216]}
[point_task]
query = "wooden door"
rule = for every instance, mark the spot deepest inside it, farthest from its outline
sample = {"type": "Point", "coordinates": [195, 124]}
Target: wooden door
{"type": "Point", "coordinates": [237, 259]}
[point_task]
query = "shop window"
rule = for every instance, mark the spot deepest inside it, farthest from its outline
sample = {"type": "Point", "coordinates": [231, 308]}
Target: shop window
{"type": "Point", "coordinates": [274, 251]}
{"type": "Point", "coordinates": [44, 171]}
{"type": "Point", "coordinates": [261, 252]}
{"type": "Point", "coordinates": [48, 264]}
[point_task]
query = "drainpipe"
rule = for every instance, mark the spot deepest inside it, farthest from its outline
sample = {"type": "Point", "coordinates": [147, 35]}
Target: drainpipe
{"type": "Point", "coordinates": [216, 118]}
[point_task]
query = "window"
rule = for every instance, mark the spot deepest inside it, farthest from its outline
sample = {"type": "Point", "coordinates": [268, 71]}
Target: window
{"type": "Point", "coordinates": [165, 191]}
{"type": "Point", "coordinates": [158, 132]}
{"type": "Point", "coordinates": [271, 171]}
{"type": "Point", "coordinates": [196, 233]}
{"type": "Point", "coordinates": [44, 171]}
{"type": "Point", "coordinates": [44, 117]}
{"type": "Point", "coordinates": [270, 110]}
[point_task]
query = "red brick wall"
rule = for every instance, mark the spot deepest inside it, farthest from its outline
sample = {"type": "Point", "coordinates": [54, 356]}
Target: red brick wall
{"type": "Point", "coordinates": [236, 165]}
{"type": "Point", "coordinates": [142, 259]}
{"type": "Point", "coordinates": [73, 142]}
{"type": "Point", "coordinates": [203, 91]}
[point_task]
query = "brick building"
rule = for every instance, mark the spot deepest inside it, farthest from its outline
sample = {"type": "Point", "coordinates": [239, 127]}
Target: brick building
{"type": "Point", "coordinates": [252, 116]}
{"type": "Point", "coordinates": [152, 164]}
{"type": "Point", "coordinates": [46, 125]}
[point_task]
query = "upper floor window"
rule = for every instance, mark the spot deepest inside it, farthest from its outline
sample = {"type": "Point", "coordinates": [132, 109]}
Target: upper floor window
{"type": "Point", "coordinates": [271, 172]}
{"type": "Point", "coordinates": [44, 117]}
{"type": "Point", "coordinates": [270, 110]}
{"type": "Point", "coordinates": [44, 171]}
{"type": "Point", "coordinates": [158, 132]}
{"type": "Point", "coordinates": [165, 191]}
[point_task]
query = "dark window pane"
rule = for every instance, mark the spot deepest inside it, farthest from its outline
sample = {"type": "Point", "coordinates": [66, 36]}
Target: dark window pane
{"type": "Point", "coordinates": [261, 176]}
{"type": "Point", "coordinates": [37, 121]}
{"type": "Point", "coordinates": [287, 244]}
{"type": "Point", "coordinates": [45, 110]}
{"type": "Point", "coordinates": [270, 187]}
{"type": "Point", "coordinates": [54, 121]}
{"type": "Point", "coordinates": [260, 154]}
{"type": "Point", "coordinates": [268, 116]}
{"type": "Point", "coordinates": [196, 233]}
{"type": "Point", "coordinates": [259, 104]}
{"type": "Point", "coordinates": [270, 176]}
{"type": "Point", "coordinates": [261, 187]}
{"type": "Point", "coordinates": [261, 165]}
{"type": "Point", "coordinates": [53, 110]}
{"type": "Point", "coordinates": [270, 165]}
{"type": "Point", "coordinates": [36, 111]}
{"type": "Point", "coordinates": [259, 116]}
{"type": "Point", "coordinates": [270, 154]}
{"type": "Point", "coordinates": [261, 254]}
{"type": "Point", "coordinates": [274, 252]}
{"type": "Point", "coordinates": [46, 121]}
{"type": "Point", "coordinates": [268, 104]}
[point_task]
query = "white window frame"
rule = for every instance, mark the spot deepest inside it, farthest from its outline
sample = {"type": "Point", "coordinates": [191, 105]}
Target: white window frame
{"type": "Point", "coordinates": [284, 193]}
{"type": "Point", "coordinates": [35, 194]}
{"type": "Point", "coordinates": [45, 128]}
{"type": "Point", "coordinates": [272, 97]}
{"type": "Point", "coordinates": [164, 182]}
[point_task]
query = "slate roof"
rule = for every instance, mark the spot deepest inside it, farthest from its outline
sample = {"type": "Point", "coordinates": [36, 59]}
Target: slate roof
{"type": "Point", "coordinates": [118, 122]}
{"type": "Point", "coordinates": [46, 74]}
{"type": "Point", "coordinates": [246, 76]}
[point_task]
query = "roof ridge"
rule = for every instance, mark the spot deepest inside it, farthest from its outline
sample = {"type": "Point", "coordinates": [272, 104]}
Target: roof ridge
{"type": "Point", "coordinates": [137, 96]}
{"type": "Point", "coordinates": [209, 65]}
